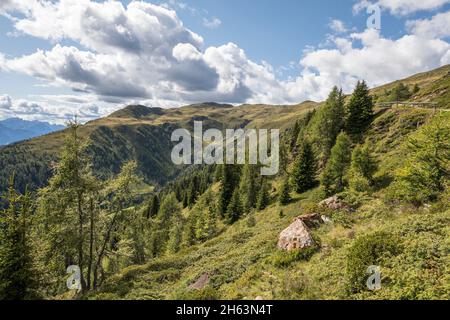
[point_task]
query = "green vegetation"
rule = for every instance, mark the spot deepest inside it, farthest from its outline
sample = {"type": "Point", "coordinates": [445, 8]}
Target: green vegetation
{"type": "Point", "coordinates": [133, 240]}
{"type": "Point", "coordinates": [304, 173]}
{"type": "Point", "coordinates": [333, 178]}
{"type": "Point", "coordinates": [366, 251]}
{"type": "Point", "coordinates": [17, 275]}
{"type": "Point", "coordinates": [359, 109]}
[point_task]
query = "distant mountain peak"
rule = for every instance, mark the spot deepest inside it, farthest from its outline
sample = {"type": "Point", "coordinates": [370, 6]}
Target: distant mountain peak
{"type": "Point", "coordinates": [136, 111]}
{"type": "Point", "coordinates": [16, 129]}
{"type": "Point", "coordinates": [210, 105]}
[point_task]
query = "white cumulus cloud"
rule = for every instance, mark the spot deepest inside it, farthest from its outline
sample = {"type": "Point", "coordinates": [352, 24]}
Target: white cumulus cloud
{"type": "Point", "coordinates": [142, 53]}
{"type": "Point", "coordinates": [337, 26]}
{"type": "Point", "coordinates": [402, 7]}
{"type": "Point", "coordinates": [212, 23]}
{"type": "Point", "coordinates": [436, 27]}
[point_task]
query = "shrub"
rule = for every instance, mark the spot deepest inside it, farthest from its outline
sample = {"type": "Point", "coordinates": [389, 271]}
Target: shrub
{"type": "Point", "coordinates": [293, 286]}
{"type": "Point", "coordinates": [354, 198]}
{"type": "Point", "coordinates": [359, 183]}
{"type": "Point", "coordinates": [251, 221]}
{"type": "Point", "coordinates": [283, 259]}
{"type": "Point", "coordinates": [366, 251]}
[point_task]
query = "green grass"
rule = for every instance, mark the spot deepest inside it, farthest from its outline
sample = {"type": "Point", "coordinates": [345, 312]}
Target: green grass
{"type": "Point", "coordinates": [244, 262]}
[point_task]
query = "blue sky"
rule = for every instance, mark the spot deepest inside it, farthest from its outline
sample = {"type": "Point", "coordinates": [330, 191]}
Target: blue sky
{"type": "Point", "coordinates": [85, 57]}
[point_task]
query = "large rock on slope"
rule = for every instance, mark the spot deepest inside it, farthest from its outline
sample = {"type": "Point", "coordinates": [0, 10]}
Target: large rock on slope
{"type": "Point", "coordinates": [296, 236]}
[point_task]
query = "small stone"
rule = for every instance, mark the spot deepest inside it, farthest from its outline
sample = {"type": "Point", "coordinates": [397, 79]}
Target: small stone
{"type": "Point", "coordinates": [201, 282]}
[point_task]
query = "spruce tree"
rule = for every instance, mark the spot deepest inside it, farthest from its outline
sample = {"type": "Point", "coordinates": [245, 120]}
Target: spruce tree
{"type": "Point", "coordinates": [304, 172]}
{"type": "Point", "coordinates": [248, 188]}
{"type": "Point", "coordinates": [191, 193]}
{"type": "Point", "coordinates": [234, 210]}
{"type": "Point", "coordinates": [263, 196]}
{"type": "Point", "coordinates": [284, 197]}
{"type": "Point", "coordinates": [337, 166]}
{"type": "Point", "coordinates": [227, 188]}
{"type": "Point", "coordinates": [17, 278]}
{"type": "Point", "coordinates": [331, 121]}
{"type": "Point", "coordinates": [359, 109]}
{"type": "Point", "coordinates": [294, 136]}
{"type": "Point", "coordinates": [152, 207]}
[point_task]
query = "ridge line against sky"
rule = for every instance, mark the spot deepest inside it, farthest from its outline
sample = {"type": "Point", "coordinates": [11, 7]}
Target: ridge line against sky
{"type": "Point", "coordinates": [90, 58]}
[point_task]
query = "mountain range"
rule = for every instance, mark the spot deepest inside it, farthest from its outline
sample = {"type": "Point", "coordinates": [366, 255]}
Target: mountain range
{"type": "Point", "coordinates": [16, 129]}
{"type": "Point", "coordinates": [173, 254]}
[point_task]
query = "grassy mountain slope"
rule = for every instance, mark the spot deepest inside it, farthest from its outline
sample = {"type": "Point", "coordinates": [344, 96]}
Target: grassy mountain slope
{"type": "Point", "coordinates": [241, 261]}
{"type": "Point", "coordinates": [138, 133]}
{"type": "Point", "coordinates": [434, 86]}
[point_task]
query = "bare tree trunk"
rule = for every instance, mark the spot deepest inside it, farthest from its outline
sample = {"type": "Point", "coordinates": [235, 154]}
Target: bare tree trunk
{"type": "Point", "coordinates": [91, 243]}
{"type": "Point", "coordinates": [102, 250]}
{"type": "Point", "coordinates": [80, 243]}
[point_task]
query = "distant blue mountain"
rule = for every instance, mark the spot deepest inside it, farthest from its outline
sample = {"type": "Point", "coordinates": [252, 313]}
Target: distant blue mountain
{"type": "Point", "coordinates": [15, 129]}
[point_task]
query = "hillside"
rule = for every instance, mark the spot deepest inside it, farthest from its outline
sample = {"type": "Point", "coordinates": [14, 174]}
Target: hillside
{"type": "Point", "coordinates": [371, 183]}
{"type": "Point", "coordinates": [241, 262]}
{"type": "Point", "coordinates": [122, 135]}
{"type": "Point", "coordinates": [139, 133]}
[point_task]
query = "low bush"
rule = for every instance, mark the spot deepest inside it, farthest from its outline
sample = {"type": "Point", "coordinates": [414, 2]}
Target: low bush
{"type": "Point", "coordinates": [283, 259]}
{"type": "Point", "coordinates": [366, 251]}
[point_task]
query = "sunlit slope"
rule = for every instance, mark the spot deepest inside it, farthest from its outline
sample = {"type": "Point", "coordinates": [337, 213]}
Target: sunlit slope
{"type": "Point", "coordinates": [240, 261]}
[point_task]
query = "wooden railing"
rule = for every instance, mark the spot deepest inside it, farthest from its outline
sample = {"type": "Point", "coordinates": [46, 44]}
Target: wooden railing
{"type": "Point", "coordinates": [407, 104]}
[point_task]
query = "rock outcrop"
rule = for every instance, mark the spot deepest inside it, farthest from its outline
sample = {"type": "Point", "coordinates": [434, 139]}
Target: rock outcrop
{"type": "Point", "coordinates": [334, 203]}
{"type": "Point", "coordinates": [296, 236]}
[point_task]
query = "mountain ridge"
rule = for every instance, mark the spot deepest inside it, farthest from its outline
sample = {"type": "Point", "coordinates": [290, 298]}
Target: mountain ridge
{"type": "Point", "coordinates": [15, 129]}
{"type": "Point", "coordinates": [126, 131]}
